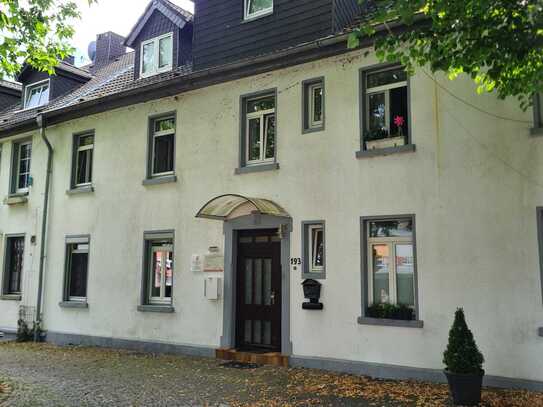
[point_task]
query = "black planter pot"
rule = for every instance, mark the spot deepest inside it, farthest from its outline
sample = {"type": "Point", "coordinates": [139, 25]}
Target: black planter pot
{"type": "Point", "coordinates": [465, 388]}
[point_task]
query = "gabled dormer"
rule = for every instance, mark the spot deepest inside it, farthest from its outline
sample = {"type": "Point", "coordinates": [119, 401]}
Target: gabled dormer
{"type": "Point", "coordinates": [10, 94]}
{"type": "Point", "coordinates": [161, 39]}
{"type": "Point", "coordinates": [39, 88]}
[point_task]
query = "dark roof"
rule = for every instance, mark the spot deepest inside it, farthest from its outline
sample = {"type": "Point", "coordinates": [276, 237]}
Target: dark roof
{"type": "Point", "coordinates": [62, 66]}
{"type": "Point", "coordinates": [11, 85]}
{"type": "Point", "coordinates": [173, 12]}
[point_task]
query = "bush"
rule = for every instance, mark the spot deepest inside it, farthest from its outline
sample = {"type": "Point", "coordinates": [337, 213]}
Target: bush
{"type": "Point", "coordinates": [26, 334]}
{"type": "Point", "coordinates": [462, 354]}
{"type": "Point", "coordinates": [390, 311]}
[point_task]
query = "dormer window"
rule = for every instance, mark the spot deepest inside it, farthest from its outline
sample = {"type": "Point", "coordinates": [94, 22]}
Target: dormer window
{"type": "Point", "coordinates": [37, 94]}
{"type": "Point", "coordinates": [156, 55]}
{"type": "Point", "coordinates": [257, 8]}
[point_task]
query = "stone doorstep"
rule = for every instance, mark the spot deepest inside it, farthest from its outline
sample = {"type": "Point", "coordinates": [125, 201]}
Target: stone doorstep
{"type": "Point", "coordinates": [272, 358]}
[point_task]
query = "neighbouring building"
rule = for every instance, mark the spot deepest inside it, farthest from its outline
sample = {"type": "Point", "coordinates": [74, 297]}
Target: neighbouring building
{"type": "Point", "coordinates": [230, 155]}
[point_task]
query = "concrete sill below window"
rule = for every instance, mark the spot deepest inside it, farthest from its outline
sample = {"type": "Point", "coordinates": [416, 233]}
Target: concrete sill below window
{"type": "Point", "coordinates": [541, 332]}
{"type": "Point", "coordinates": [73, 304]}
{"type": "Point", "coordinates": [164, 309]}
{"type": "Point", "coordinates": [10, 297]}
{"type": "Point", "coordinates": [256, 168]}
{"type": "Point", "coordinates": [536, 131]}
{"type": "Point", "coordinates": [390, 322]}
{"type": "Point", "coordinates": [87, 189]}
{"type": "Point", "coordinates": [160, 180]}
{"type": "Point", "coordinates": [409, 148]}
{"type": "Point", "coordinates": [16, 199]}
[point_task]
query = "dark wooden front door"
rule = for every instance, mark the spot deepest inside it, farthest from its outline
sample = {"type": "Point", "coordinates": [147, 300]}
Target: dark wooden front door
{"type": "Point", "coordinates": [258, 302]}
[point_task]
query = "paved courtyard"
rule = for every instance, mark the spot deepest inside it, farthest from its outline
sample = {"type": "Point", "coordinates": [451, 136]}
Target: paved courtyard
{"type": "Point", "coordinates": [44, 375]}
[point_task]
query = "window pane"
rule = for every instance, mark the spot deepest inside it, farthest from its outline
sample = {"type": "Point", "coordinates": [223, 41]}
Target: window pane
{"type": "Point", "coordinates": [256, 105]}
{"type": "Point", "coordinates": [254, 139]}
{"type": "Point", "coordinates": [255, 6]}
{"type": "Point", "coordinates": [391, 228]}
{"type": "Point", "coordinates": [317, 104]}
{"type": "Point", "coordinates": [165, 52]}
{"type": "Point", "coordinates": [15, 264]}
{"type": "Point", "coordinates": [398, 111]}
{"type": "Point", "coordinates": [163, 154]}
{"type": "Point", "coordinates": [377, 113]}
{"type": "Point", "coordinates": [270, 135]}
{"type": "Point", "coordinates": [25, 151]}
{"type": "Point", "coordinates": [86, 140]}
{"type": "Point", "coordinates": [156, 280]}
{"type": "Point", "coordinates": [148, 58]}
{"type": "Point", "coordinates": [44, 96]}
{"type": "Point", "coordinates": [405, 274]}
{"type": "Point", "coordinates": [84, 167]}
{"type": "Point", "coordinates": [165, 124]}
{"type": "Point", "coordinates": [386, 77]}
{"type": "Point", "coordinates": [318, 247]}
{"type": "Point", "coordinates": [169, 274]}
{"type": "Point", "coordinates": [78, 273]}
{"type": "Point", "coordinates": [381, 263]}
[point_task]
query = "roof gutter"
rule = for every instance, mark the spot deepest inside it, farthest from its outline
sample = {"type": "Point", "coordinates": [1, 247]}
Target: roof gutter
{"type": "Point", "coordinates": [40, 122]}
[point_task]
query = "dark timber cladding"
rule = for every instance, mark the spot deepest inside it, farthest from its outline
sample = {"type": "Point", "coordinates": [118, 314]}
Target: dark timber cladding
{"type": "Point", "coordinates": [221, 35]}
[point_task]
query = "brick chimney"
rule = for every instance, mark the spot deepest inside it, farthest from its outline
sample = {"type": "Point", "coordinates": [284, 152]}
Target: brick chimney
{"type": "Point", "coordinates": [109, 46]}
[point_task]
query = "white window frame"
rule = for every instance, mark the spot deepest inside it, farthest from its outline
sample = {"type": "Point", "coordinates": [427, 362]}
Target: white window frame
{"type": "Point", "coordinates": [261, 114]}
{"type": "Point", "coordinates": [313, 124]}
{"type": "Point", "coordinates": [16, 188]}
{"type": "Point", "coordinates": [32, 86]}
{"type": "Point", "coordinates": [251, 16]}
{"type": "Point", "coordinates": [77, 151]}
{"type": "Point", "coordinates": [154, 136]}
{"type": "Point", "coordinates": [381, 89]}
{"type": "Point", "coordinates": [391, 242]}
{"type": "Point", "coordinates": [162, 300]}
{"type": "Point", "coordinates": [156, 49]}
{"type": "Point", "coordinates": [70, 242]}
{"type": "Point", "coordinates": [313, 268]}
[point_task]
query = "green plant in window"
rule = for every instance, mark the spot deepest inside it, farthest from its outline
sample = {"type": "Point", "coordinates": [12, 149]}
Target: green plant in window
{"type": "Point", "coordinates": [391, 311]}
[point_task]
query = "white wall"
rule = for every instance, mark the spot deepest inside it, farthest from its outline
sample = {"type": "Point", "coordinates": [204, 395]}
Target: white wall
{"type": "Point", "coordinates": [473, 184]}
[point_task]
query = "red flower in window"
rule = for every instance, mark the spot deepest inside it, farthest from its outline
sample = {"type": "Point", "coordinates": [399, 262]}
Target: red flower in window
{"type": "Point", "coordinates": [399, 121]}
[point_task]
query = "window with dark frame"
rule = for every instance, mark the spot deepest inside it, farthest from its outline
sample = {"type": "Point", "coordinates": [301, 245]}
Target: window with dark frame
{"type": "Point", "coordinates": [14, 259]}
{"type": "Point", "coordinates": [83, 160]}
{"type": "Point", "coordinates": [159, 267]}
{"type": "Point", "coordinates": [314, 250]}
{"type": "Point", "coordinates": [162, 146]}
{"type": "Point", "coordinates": [77, 264]}
{"type": "Point", "coordinates": [313, 105]}
{"type": "Point", "coordinates": [385, 108]}
{"type": "Point", "coordinates": [260, 130]}
{"type": "Point", "coordinates": [22, 157]}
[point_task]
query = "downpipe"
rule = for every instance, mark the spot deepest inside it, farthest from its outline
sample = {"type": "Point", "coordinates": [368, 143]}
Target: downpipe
{"type": "Point", "coordinates": [42, 126]}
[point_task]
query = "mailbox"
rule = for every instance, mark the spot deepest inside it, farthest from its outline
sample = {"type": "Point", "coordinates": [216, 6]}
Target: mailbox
{"type": "Point", "coordinates": [312, 291]}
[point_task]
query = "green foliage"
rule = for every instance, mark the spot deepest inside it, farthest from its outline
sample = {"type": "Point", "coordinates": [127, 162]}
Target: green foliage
{"type": "Point", "coordinates": [462, 354]}
{"type": "Point", "coordinates": [391, 311]}
{"type": "Point", "coordinates": [25, 333]}
{"type": "Point", "coordinates": [35, 31]}
{"type": "Point", "coordinates": [498, 43]}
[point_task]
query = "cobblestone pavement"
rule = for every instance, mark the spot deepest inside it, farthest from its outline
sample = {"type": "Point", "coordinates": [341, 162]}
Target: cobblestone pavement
{"type": "Point", "coordinates": [36, 375]}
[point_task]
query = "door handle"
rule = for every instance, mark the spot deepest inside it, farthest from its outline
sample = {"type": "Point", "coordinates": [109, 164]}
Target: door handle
{"type": "Point", "coordinates": [272, 298]}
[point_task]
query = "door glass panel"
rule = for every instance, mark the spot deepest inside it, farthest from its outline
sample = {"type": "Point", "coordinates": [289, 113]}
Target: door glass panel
{"type": "Point", "coordinates": [257, 333]}
{"type": "Point", "coordinates": [267, 281]}
{"type": "Point", "coordinates": [405, 275]}
{"type": "Point", "coordinates": [247, 337]}
{"type": "Point", "coordinates": [258, 282]}
{"type": "Point", "coordinates": [267, 332]}
{"type": "Point", "coordinates": [248, 281]}
{"type": "Point", "coordinates": [381, 264]}
{"type": "Point", "coordinates": [254, 139]}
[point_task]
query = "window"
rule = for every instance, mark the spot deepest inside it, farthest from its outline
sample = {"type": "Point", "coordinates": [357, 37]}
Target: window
{"type": "Point", "coordinates": [82, 160]}
{"type": "Point", "coordinates": [385, 108]}
{"type": "Point", "coordinates": [77, 264]}
{"type": "Point", "coordinates": [37, 94]}
{"type": "Point", "coordinates": [313, 105]}
{"type": "Point", "coordinates": [313, 248]}
{"type": "Point", "coordinates": [260, 130]}
{"type": "Point", "coordinates": [22, 155]}
{"type": "Point", "coordinates": [257, 8]}
{"type": "Point", "coordinates": [161, 146]}
{"type": "Point", "coordinates": [158, 268]}
{"type": "Point", "coordinates": [156, 55]}
{"type": "Point", "coordinates": [14, 256]}
{"type": "Point", "coordinates": [390, 267]}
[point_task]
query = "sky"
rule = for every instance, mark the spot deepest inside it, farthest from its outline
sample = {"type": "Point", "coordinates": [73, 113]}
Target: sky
{"type": "Point", "coordinates": [118, 16]}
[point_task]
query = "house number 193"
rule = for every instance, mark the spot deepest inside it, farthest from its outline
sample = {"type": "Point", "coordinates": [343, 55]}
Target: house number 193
{"type": "Point", "coordinates": [295, 261]}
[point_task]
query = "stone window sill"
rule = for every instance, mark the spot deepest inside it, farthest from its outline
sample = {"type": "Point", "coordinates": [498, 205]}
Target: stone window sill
{"type": "Point", "coordinates": [256, 168]}
{"type": "Point", "coordinates": [390, 322]}
{"type": "Point", "coordinates": [16, 199]}
{"type": "Point", "coordinates": [164, 309]}
{"type": "Point", "coordinates": [409, 148]}
{"type": "Point", "coordinates": [10, 297]}
{"type": "Point", "coordinates": [536, 131]}
{"type": "Point", "coordinates": [87, 189]}
{"type": "Point", "coordinates": [160, 180]}
{"type": "Point", "coordinates": [74, 304]}
{"type": "Point", "coordinates": [541, 332]}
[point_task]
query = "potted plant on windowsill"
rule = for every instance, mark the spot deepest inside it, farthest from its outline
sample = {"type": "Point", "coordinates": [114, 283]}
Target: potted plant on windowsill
{"type": "Point", "coordinates": [463, 363]}
{"type": "Point", "coordinates": [379, 139]}
{"type": "Point", "coordinates": [399, 312]}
